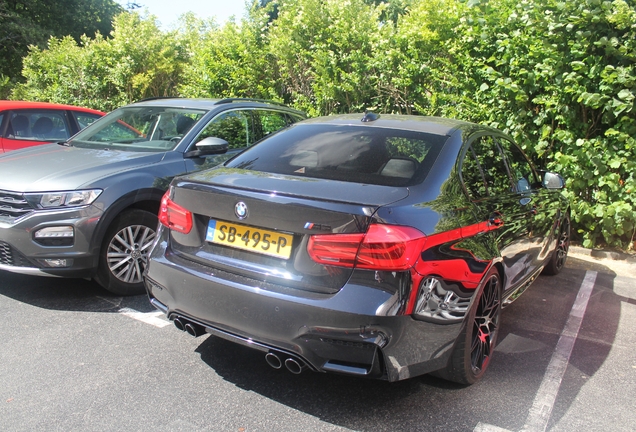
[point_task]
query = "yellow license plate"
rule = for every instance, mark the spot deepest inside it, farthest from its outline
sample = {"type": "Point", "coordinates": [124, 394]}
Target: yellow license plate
{"type": "Point", "coordinates": [257, 240]}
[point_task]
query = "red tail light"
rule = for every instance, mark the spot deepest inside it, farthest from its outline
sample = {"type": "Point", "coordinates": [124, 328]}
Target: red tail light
{"type": "Point", "coordinates": [174, 216]}
{"type": "Point", "coordinates": [383, 247]}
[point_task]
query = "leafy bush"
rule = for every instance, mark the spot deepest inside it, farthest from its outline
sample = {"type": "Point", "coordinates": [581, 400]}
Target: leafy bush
{"type": "Point", "coordinates": [558, 76]}
{"type": "Point", "coordinates": [228, 61]}
{"type": "Point", "coordinates": [137, 61]}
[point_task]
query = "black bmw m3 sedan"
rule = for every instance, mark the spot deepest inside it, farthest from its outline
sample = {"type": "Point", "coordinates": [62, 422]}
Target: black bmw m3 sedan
{"type": "Point", "coordinates": [379, 246]}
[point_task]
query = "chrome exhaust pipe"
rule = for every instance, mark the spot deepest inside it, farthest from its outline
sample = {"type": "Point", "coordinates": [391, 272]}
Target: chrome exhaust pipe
{"type": "Point", "coordinates": [273, 360]}
{"type": "Point", "coordinates": [194, 330]}
{"type": "Point", "coordinates": [178, 323]}
{"type": "Point", "coordinates": [295, 366]}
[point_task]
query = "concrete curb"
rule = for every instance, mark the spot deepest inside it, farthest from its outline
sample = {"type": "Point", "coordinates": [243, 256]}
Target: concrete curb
{"type": "Point", "coordinates": [603, 254]}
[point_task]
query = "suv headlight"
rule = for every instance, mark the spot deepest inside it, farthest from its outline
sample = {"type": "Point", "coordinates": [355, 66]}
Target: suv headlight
{"type": "Point", "coordinates": [62, 199]}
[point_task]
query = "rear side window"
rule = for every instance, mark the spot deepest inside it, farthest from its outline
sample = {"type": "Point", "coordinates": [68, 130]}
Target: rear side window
{"type": "Point", "coordinates": [235, 127]}
{"type": "Point", "coordinates": [490, 161]}
{"type": "Point", "coordinates": [368, 155]}
{"type": "Point", "coordinates": [271, 121]}
{"type": "Point", "coordinates": [84, 119]}
{"type": "Point", "coordinates": [293, 118]}
{"type": "Point", "coordinates": [473, 175]}
{"type": "Point", "coordinates": [520, 168]}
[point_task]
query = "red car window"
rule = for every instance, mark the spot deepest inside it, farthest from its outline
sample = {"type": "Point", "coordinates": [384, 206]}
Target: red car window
{"type": "Point", "coordinates": [26, 124]}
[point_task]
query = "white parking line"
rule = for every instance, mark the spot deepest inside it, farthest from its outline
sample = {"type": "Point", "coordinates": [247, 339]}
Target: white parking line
{"type": "Point", "coordinates": [483, 427]}
{"type": "Point", "coordinates": [151, 318]}
{"type": "Point", "coordinates": [541, 410]}
{"type": "Point", "coordinates": [114, 301]}
{"type": "Point", "coordinates": [539, 415]}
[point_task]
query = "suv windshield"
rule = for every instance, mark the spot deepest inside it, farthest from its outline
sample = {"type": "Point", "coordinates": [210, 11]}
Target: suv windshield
{"type": "Point", "coordinates": [147, 129]}
{"type": "Point", "coordinates": [380, 156]}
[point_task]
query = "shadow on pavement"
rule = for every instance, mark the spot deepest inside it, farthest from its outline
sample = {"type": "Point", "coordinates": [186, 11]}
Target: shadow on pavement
{"type": "Point", "coordinates": [67, 294]}
{"type": "Point", "coordinates": [530, 331]}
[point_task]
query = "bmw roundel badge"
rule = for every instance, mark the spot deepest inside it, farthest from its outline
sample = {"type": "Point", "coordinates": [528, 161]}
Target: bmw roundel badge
{"type": "Point", "coordinates": [240, 210]}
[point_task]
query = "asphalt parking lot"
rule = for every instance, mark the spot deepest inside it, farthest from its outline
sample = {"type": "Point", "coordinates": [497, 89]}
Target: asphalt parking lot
{"type": "Point", "coordinates": [75, 358]}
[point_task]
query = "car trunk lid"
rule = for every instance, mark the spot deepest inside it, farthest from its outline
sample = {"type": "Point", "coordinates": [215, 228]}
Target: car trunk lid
{"type": "Point", "coordinates": [257, 226]}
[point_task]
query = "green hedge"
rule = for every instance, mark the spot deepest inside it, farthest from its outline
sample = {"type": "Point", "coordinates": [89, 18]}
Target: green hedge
{"type": "Point", "coordinates": [557, 75]}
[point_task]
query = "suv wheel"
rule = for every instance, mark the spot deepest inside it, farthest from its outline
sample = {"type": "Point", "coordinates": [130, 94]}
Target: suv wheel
{"type": "Point", "coordinates": [124, 252]}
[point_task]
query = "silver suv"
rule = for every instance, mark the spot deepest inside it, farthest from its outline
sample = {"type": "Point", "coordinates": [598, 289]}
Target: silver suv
{"type": "Point", "coordinates": [88, 207]}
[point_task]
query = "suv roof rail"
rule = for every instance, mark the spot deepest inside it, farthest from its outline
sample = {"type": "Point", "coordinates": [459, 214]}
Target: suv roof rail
{"type": "Point", "coordinates": [158, 97]}
{"type": "Point", "coordinates": [230, 100]}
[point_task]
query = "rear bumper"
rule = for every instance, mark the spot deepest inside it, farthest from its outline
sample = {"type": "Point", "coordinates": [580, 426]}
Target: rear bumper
{"type": "Point", "coordinates": [342, 332]}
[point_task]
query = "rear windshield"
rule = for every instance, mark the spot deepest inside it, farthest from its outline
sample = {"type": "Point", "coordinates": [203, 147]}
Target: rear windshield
{"type": "Point", "coordinates": [369, 155]}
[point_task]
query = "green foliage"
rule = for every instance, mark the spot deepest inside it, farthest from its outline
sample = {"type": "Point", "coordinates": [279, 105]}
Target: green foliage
{"type": "Point", "coordinates": [5, 86]}
{"type": "Point", "coordinates": [558, 76]}
{"type": "Point", "coordinates": [229, 61]}
{"type": "Point", "coordinates": [323, 52]}
{"type": "Point", "coordinates": [413, 64]}
{"type": "Point", "coordinates": [24, 23]}
{"type": "Point", "coordinates": [136, 62]}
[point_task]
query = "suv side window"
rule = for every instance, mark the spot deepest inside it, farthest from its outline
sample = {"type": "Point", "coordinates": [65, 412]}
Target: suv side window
{"type": "Point", "coordinates": [271, 121]}
{"type": "Point", "coordinates": [491, 160]}
{"type": "Point", "coordinates": [520, 168]}
{"type": "Point", "coordinates": [235, 127]}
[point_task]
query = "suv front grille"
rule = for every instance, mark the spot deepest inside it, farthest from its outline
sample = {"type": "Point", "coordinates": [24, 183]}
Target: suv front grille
{"type": "Point", "coordinates": [11, 257]}
{"type": "Point", "coordinates": [13, 205]}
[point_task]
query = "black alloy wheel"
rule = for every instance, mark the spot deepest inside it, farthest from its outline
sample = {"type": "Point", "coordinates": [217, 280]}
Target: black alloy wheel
{"type": "Point", "coordinates": [475, 345]}
{"type": "Point", "coordinates": [485, 326]}
{"type": "Point", "coordinates": [560, 254]}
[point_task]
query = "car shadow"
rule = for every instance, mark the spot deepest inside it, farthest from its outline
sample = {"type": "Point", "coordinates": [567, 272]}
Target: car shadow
{"type": "Point", "coordinates": [530, 331]}
{"type": "Point", "coordinates": [355, 403]}
{"type": "Point", "coordinates": [67, 294]}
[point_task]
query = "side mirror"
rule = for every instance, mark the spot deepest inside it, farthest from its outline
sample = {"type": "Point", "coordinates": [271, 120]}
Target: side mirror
{"type": "Point", "coordinates": [208, 146]}
{"type": "Point", "coordinates": [553, 181]}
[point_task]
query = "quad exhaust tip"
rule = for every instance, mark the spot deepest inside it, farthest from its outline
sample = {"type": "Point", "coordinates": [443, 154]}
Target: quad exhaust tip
{"type": "Point", "coordinates": [193, 329]}
{"type": "Point", "coordinates": [293, 364]}
{"type": "Point", "coordinates": [273, 360]}
{"type": "Point", "coordinates": [178, 323]}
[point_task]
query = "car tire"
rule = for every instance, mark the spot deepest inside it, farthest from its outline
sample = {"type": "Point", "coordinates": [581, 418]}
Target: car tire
{"type": "Point", "coordinates": [124, 252]}
{"type": "Point", "coordinates": [560, 254]}
{"type": "Point", "coordinates": [474, 346]}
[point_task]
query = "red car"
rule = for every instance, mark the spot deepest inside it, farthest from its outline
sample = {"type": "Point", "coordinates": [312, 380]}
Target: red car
{"type": "Point", "coordinates": [25, 124]}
